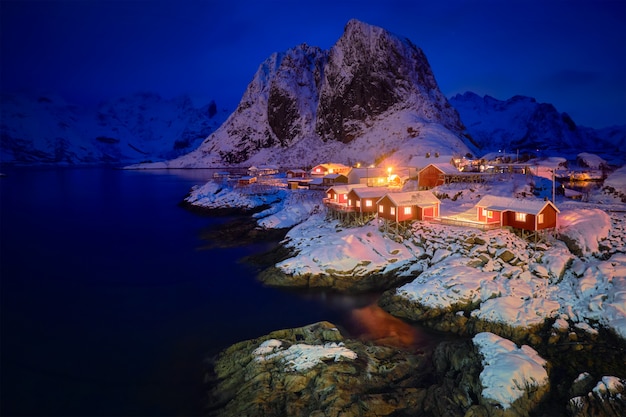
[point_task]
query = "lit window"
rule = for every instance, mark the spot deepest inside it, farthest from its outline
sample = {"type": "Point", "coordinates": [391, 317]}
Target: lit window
{"type": "Point", "coordinates": [349, 202]}
{"type": "Point", "coordinates": [329, 195]}
{"type": "Point", "coordinates": [520, 217]}
{"type": "Point", "coordinates": [330, 170]}
{"type": "Point", "coordinates": [381, 208]}
{"type": "Point", "coordinates": [540, 219]}
{"type": "Point", "coordinates": [358, 203]}
{"type": "Point", "coordinates": [392, 211]}
{"type": "Point", "coordinates": [489, 214]}
{"type": "Point", "coordinates": [407, 210]}
{"type": "Point", "coordinates": [484, 212]}
{"type": "Point", "coordinates": [368, 203]}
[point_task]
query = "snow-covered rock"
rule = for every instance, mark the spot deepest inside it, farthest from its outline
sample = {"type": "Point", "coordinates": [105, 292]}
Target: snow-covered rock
{"type": "Point", "coordinates": [510, 372]}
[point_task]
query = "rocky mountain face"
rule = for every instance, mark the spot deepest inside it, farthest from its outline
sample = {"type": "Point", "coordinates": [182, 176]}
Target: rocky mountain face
{"type": "Point", "coordinates": [521, 123]}
{"type": "Point", "coordinates": [140, 127]}
{"type": "Point", "coordinates": [370, 72]}
{"type": "Point", "coordinates": [370, 96]}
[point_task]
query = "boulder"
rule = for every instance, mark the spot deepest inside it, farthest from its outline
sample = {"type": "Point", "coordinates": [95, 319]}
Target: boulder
{"type": "Point", "coordinates": [314, 370]}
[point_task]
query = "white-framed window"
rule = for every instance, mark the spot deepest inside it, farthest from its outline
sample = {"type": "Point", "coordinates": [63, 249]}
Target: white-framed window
{"type": "Point", "coordinates": [540, 218]}
{"type": "Point", "coordinates": [381, 208]}
{"type": "Point", "coordinates": [407, 210]}
{"type": "Point", "coordinates": [392, 211]}
{"type": "Point", "coordinates": [520, 217]}
{"type": "Point", "coordinates": [484, 211]}
{"type": "Point", "coordinates": [368, 203]}
{"type": "Point", "coordinates": [358, 203]}
{"type": "Point", "coordinates": [490, 214]}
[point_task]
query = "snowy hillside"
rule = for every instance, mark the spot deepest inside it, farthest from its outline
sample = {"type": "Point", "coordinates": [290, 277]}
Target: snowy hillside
{"type": "Point", "coordinates": [372, 96]}
{"type": "Point", "coordinates": [131, 129]}
{"type": "Point", "coordinates": [521, 123]}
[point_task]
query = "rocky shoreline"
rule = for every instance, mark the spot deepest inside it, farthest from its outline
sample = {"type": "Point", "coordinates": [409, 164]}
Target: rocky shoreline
{"type": "Point", "coordinates": [579, 357]}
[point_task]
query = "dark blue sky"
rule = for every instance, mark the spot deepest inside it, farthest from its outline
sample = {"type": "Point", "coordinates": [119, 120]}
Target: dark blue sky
{"type": "Point", "coordinates": [571, 53]}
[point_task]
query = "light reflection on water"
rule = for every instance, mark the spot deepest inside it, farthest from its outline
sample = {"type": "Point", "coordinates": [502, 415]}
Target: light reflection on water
{"type": "Point", "coordinates": [363, 319]}
{"type": "Point", "coordinates": [372, 323]}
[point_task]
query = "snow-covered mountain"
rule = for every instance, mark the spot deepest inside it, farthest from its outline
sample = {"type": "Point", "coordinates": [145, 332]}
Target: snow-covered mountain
{"type": "Point", "coordinates": [137, 128]}
{"type": "Point", "coordinates": [521, 123]}
{"type": "Point", "coordinates": [372, 97]}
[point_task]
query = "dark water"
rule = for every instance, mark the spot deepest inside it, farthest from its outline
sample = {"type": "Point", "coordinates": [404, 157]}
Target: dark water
{"type": "Point", "coordinates": [109, 304]}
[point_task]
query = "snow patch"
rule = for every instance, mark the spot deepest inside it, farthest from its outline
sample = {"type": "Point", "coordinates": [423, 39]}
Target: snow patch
{"type": "Point", "coordinates": [508, 371]}
{"type": "Point", "coordinates": [301, 357]}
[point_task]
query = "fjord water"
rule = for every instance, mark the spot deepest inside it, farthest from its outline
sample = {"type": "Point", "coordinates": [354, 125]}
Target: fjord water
{"type": "Point", "coordinates": [109, 300]}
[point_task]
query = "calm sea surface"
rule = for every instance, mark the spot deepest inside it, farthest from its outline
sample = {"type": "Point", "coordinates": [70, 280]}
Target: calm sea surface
{"type": "Point", "coordinates": [110, 303]}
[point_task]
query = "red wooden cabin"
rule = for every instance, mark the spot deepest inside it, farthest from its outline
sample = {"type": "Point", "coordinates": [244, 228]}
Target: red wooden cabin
{"type": "Point", "coordinates": [412, 205]}
{"type": "Point", "coordinates": [531, 214]}
{"type": "Point", "coordinates": [363, 199]}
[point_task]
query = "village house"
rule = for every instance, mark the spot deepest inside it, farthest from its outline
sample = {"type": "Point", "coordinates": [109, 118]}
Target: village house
{"type": "Point", "coordinates": [254, 171]}
{"type": "Point", "coordinates": [372, 177]}
{"type": "Point", "coordinates": [529, 214]}
{"type": "Point", "coordinates": [408, 206]}
{"type": "Point", "coordinates": [434, 175]}
{"type": "Point", "coordinates": [329, 168]}
{"type": "Point", "coordinates": [363, 199]}
{"type": "Point", "coordinates": [332, 179]}
{"type": "Point", "coordinates": [337, 196]}
{"type": "Point", "coordinates": [246, 180]}
{"type": "Point", "coordinates": [296, 173]}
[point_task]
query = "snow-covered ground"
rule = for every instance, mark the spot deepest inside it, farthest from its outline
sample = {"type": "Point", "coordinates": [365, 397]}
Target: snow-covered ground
{"type": "Point", "coordinates": [507, 278]}
{"type": "Point", "coordinates": [578, 280]}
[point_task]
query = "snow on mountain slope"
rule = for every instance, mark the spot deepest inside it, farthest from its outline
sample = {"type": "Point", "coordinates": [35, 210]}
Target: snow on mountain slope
{"type": "Point", "coordinates": [521, 123]}
{"type": "Point", "coordinates": [129, 129]}
{"type": "Point", "coordinates": [371, 97]}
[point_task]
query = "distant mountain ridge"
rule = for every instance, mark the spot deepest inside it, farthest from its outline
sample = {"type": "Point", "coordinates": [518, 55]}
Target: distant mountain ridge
{"type": "Point", "coordinates": [522, 124]}
{"type": "Point", "coordinates": [136, 128]}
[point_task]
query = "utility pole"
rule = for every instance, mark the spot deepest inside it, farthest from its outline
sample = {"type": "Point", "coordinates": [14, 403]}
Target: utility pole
{"type": "Point", "coordinates": [553, 186]}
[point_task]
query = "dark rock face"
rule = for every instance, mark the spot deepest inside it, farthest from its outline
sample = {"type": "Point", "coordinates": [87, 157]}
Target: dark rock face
{"type": "Point", "coordinates": [294, 88]}
{"type": "Point", "coordinates": [267, 377]}
{"type": "Point", "coordinates": [379, 380]}
{"type": "Point", "coordinates": [369, 71]}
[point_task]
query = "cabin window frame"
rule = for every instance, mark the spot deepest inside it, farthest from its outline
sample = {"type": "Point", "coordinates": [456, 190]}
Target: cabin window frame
{"type": "Point", "coordinates": [520, 217]}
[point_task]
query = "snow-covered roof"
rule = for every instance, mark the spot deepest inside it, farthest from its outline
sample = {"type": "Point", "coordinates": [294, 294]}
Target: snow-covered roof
{"type": "Point", "coordinates": [444, 167]}
{"type": "Point", "coordinates": [331, 165]}
{"type": "Point", "coordinates": [370, 192]}
{"type": "Point", "coordinates": [413, 198]}
{"type": "Point", "coordinates": [334, 176]}
{"type": "Point", "coordinates": [521, 205]}
{"type": "Point", "coordinates": [368, 172]}
{"type": "Point", "coordinates": [344, 188]}
{"type": "Point", "coordinates": [297, 170]}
